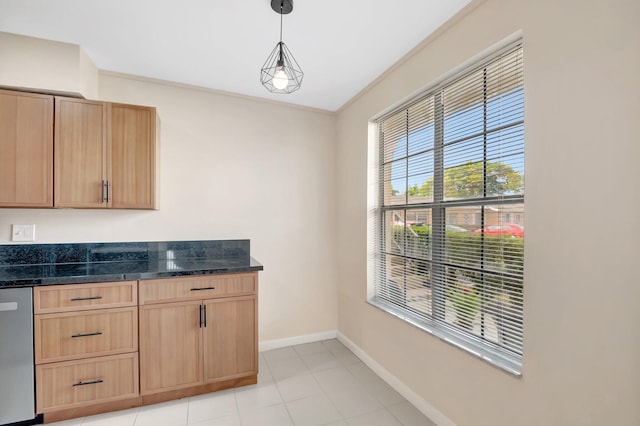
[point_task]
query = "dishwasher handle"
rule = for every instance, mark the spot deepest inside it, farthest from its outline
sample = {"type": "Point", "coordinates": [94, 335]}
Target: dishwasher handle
{"type": "Point", "coordinates": [8, 306]}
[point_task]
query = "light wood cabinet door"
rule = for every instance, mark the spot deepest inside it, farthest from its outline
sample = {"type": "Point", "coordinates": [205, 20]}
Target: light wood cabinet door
{"type": "Point", "coordinates": [230, 338]}
{"type": "Point", "coordinates": [133, 156]}
{"type": "Point", "coordinates": [26, 150]}
{"type": "Point", "coordinates": [81, 157]}
{"type": "Point", "coordinates": [75, 335]}
{"type": "Point", "coordinates": [72, 384]}
{"type": "Point", "coordinates": [170, 346]}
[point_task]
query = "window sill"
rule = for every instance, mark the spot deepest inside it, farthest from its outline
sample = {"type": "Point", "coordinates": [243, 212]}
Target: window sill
{"type": "Point", "coordinates": [508, 363]}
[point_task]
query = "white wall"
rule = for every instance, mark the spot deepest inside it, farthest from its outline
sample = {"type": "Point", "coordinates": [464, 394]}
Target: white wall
{"type": "Point", "coordinates": [231, 168]}
{"type": "Point", "coordinates": [582, 322]}
{"type": "Point", "coordinates": [35, 63]}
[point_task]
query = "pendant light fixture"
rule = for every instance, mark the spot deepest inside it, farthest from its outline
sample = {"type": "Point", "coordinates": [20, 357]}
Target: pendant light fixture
{"type": "Point", "coordinates": [280, 72]}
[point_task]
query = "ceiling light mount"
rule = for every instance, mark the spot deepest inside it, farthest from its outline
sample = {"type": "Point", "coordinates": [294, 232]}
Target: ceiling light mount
{"type": "Point", "coordinates": [283, 7]}
{"type": "Point", "coordinates": [281, 72]}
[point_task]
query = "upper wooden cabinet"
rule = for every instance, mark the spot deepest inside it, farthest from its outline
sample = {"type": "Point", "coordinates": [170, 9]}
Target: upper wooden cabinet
{"type": "Point", "coordinates": [81, 156]}
{"type": "Point", "coordinates": [105, 155]}
{"type": "Point", "coordinates": [96, 155]}
{"type": "Point", "coordinates": [133, 157]}
{"type": "Point", "coordinates": [26, 149]}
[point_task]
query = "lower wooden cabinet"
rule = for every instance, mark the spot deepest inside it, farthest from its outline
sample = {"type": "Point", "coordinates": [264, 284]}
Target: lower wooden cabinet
{"type": "Point", "coordinates": [70, 384]}
{"type": "Point", "coordinates": [194, 335]}
{"type": "Point", "coordinates": [86, 347]}
{"type": "Point", "coordinates": [197, 342]}
{"type": "Point", "coordinates": [192, 343]}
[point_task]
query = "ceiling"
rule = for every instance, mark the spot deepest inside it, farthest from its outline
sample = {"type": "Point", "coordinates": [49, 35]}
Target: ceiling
{"type": "Point", "coordinates": [341, 47]}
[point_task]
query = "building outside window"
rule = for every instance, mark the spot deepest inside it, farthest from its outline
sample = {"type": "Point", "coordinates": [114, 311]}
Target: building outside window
{"type": "Point", "coordinates": [456, 153]}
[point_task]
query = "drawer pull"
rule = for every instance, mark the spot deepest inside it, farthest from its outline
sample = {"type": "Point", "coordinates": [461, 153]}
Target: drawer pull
{"type": "Point", "coordinates": [97, 333]}
{"type": "Point", "coordinates": [93, 382]}
{"type": "Point", "coordinates": [203, 288]}
{"type": "Point", "coordinates": [76, 299]}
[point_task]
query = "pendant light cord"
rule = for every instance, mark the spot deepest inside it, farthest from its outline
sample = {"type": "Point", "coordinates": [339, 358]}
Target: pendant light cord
{"type": "Point", "coordinates": [280, 61]}
{"type": "Point", "coordinates": [281, 7]}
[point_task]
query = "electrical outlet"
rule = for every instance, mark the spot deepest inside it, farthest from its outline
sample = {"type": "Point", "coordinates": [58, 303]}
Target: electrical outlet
{"type": "Point", "coordinates": [23, 233]}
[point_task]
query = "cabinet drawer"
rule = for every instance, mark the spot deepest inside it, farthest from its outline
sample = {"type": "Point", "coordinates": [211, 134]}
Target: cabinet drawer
{"type": "Point", "coordinates": [77, 297]}
{"type": "Point", "coordinates": [197, 288]}
{"type": "Point", "coordinates": [77, 383]}
{"type": "Point", "coordinates": [65, 336]}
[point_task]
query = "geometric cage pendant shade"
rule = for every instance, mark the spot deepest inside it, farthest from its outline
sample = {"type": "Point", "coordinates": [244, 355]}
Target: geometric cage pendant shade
{"type": "Point", "coordinates": [281, 72]}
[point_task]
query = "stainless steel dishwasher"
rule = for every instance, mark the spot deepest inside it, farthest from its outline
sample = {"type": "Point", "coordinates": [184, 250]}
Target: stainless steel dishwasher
{"type": "Point", "coordinates": [17, 400]}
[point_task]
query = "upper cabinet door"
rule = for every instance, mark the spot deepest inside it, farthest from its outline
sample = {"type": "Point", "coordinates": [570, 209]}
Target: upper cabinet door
{"type": "Point", "coordinates": [26, 150]}
{"type": "Point", "coordinates": [81, 165]}
{"type": "Point", "coordinates": [133, 157]}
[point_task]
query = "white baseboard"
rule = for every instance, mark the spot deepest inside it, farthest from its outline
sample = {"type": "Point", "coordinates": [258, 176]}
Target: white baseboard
{"type": "Point", "coordinates": [267, 345]}
{"type": "Point", "coordinates": [427, 409]}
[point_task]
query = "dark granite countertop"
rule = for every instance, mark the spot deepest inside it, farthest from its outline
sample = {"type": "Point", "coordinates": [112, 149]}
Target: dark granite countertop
{"type": "Point", "coordinates": [96, 262]}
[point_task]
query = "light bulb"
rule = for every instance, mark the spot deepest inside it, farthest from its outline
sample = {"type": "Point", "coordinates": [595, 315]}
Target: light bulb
{"type": "Point", "coordinates": [280, 79]}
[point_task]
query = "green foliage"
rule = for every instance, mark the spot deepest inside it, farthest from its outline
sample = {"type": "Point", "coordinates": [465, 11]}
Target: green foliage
{"type": "Point", "coordinates": [466, 302]}
{"type": "Point", "coordinates": [497, 253]}
{"type": "Point", "coordinates": [466, 181]}
{"type": "Point", "coordinates": [501, 253]}
{"type": "Point", "coordinates": [424, 190]}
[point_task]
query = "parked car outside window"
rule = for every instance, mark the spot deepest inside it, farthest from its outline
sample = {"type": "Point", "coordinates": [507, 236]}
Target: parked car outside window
{"type": "Point", "coordinates": [503, 229]}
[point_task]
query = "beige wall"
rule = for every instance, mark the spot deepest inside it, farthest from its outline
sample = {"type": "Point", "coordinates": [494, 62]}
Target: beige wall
{"type": "Point", "coordinates": [231, 167]}
{"type": "Point", "coordinates": [87, 76]}
{"type": "Point", "coordinates": [234, 167]}
{"type": "Point", "coordinates": [34, 63]}
{"type": "Point", "coordinates": [582, 322]}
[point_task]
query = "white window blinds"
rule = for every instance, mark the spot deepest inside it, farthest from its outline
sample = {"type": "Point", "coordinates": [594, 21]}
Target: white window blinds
{"type": "Point", "coordinates": [450, 233]}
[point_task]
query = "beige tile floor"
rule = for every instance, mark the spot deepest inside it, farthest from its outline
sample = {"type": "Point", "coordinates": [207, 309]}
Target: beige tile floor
{"type": "Point", "coordinates": [320, 383]}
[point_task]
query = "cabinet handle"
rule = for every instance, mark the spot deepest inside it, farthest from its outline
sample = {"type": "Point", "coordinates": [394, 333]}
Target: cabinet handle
{"type": "Point", "coordinates": [205, 315]}
{"type": "Point", "coordinates": [76, 299]}
{"type": "Point", "coordinates": [104, 191]}
{"type": "Point", "coordinates": [203, 288]}
{"type": "Point", "coordinates": [108, 191]}
{"type": "Point", "coordinates": [200, 324]}
{"type": "Point", "coordinates": [97, 333]}
{"type": "Point", "coordinates": [93, 382]}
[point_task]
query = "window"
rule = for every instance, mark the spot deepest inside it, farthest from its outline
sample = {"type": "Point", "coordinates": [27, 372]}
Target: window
{"type": "Point", "coordinates": [456, 152]}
